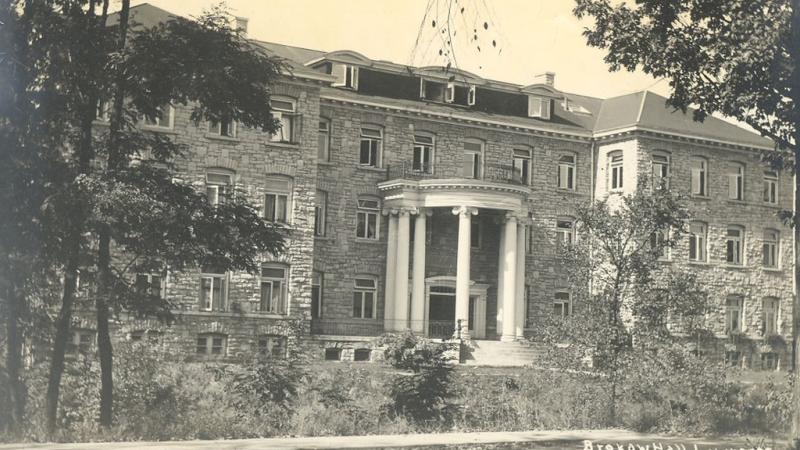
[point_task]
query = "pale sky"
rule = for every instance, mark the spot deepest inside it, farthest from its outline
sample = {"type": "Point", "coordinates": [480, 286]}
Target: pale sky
{"type": "Point", "coordinates": [531, 36]}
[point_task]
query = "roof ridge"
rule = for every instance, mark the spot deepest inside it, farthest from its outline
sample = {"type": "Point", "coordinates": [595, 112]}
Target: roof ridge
{"type": "Point", "coordinates": [641, 106]}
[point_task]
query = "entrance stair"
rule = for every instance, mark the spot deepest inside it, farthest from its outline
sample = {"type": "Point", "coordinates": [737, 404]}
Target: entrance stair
{"type": "Point", "coordinates": [501, 354]}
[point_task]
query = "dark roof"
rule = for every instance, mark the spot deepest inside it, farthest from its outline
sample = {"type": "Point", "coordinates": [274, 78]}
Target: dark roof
{"type": "Point", "coordinates": [642, 109]}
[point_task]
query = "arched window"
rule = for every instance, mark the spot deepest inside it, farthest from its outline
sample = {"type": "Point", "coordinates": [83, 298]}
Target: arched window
{"type": "Point", "coordinates": [771, 248]}
{"type": "Point", "coordinates": [698, 239]}
{"type": "Point", "coordinates": [734, 245]}
{"type": "Point", "coordinates": [734, 305]}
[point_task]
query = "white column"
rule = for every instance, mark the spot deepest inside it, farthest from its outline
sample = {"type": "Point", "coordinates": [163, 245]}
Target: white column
{"type": "Point", "coordinates": [509, 279]}
{"type": "Point", "coordinates": [500, 271]}
{"type": "Point", "coordinates": [519, 309]}
{"type": "Point", "coordinates": [462, 267]}
{"type": "Point", "coordinates": [418, 274]}
{"type": "Point", "coordinates": [391, 261]}
{"type": "Point", "coordinates": [401, 273]}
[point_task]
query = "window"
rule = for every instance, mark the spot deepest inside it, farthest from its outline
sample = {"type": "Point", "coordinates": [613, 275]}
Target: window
{"type": "Point", "coordinates": [103, 113]}
{"type": "Point", "coordinates": [733, 314]}
{"type": "Point", "coordinates": [212, 345]}
{"type": "Point", "coordinates": [82, 342]}
{"type": "Point", "coordinates": [423, 154]}
{"type": "Point", "coordinates": [362, 354]}
{"type": "Point", "coordinates": [734, 245]}
{"type": "Point", "coordinates": [565, 231]}
{"type": "Point", "coordinates": [615, 170]}
{"type": "Point", "coordinates": [733, 358]}
{"type": "Point", "coordinates": [736, 182]}
{"type": "Point", "coordinates": [660, 165]}
{"type": "Point", "coordinates": [371, 144]}
{"type": "Point", "coordinates": [364, 296]}
{"type": "Point", "coordinates": [522, 166]}
{"type": "Point", "coordinates": [164, 117]}
{"type": "Point", "coordinates": [658, 245]}
{"type": "Point", "coordinates": [320, 212]}
{"type": "Point", "coordinates": [471, 96]}
{"type": "Point", "coordinates": [699, 168]}
{"type": "Point", "coordinates": [277, 200]}
{"type": "Point", "coordinates": [471, 166]}
{"type": "Point", "coordinates": [697, 241]}
{"type": "Point", "coordinates": [283, 112]}
{"type": "Point", "coordinates": [333, 354]}
{"type": "Point", "coordinates": [566, 172]}
{"type": "Point", "coordinates": [450, 93]}
{"type": "Point", "coordinates": [346, 76]}
{"type": "Point", "coordinates": [367, 218]}
{"type": "Point", "coordinates": [324, 140]}
{"type": "Point", "coordinates": [475, 234]}
{"type": "Point", "coordinates": [562, 305]}
{"type": "Point", "coordinates": [317, 283]}
{"type": "Point", "coordinates": [769, 316]}
{"type": "Point", "coordinates": [151, 284]}
{"type": "Point", "coordinates": [769, 361]}
{"type": "Point", "coordinates": [273, 288]}
{"type": "Point", "coordinates": [213, 291]}
{"type": "Point", "coordinates": [771, 187]}
{"type": "Point", "coordinates": [219, 185]}
{"type": "Point", "coordinates": [771, 248]}
{"type": "Point", "coordinates": [538, 107]}
{"type": "Point", "coordinates": [224, 128]}
{"type": "Point", "coordinates": [272, 346]}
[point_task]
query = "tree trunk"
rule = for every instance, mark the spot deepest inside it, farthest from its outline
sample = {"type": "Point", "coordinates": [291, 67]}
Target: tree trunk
{"type": "Point", "coordinates": [61, 338]}
{"type": "Point", "coordinates": [17, 392]}
{"type": "Point", "coordinates": [795, 93]}
{"type": "Point", "coordinates": [104, 348]}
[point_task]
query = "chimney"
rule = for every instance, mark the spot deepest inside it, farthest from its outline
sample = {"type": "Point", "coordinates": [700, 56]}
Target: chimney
{"type": "Point", "coordinates": [241, 24]}
{"type": "Point", "coordinates": [548, 78]}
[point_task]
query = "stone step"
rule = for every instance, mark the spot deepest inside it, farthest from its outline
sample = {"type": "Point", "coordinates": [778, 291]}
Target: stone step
{"type": "Point", "coordinates": [498, 353]}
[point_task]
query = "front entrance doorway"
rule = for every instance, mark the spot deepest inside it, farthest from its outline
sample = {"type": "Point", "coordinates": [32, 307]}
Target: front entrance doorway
{"type": "Point", "coordinates": [440, 312]}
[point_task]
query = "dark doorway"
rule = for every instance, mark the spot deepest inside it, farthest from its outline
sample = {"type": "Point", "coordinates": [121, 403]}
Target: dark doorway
{"type": "Point", "coordinates": [443, 308]}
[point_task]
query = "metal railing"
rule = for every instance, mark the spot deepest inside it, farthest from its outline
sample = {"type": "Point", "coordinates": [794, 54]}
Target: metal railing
{"type": "Point", "coordinates": [498, 173]}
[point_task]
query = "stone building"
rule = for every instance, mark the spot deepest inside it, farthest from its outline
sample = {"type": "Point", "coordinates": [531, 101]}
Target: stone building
{"type": "Point", "coordinates": [421, 198]}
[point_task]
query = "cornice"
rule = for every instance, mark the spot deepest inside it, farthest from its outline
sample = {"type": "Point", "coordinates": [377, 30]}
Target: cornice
{"type": "Point", "coordinates": [676, 137]}
{"type": "Point", "coordinates": [452, 184]}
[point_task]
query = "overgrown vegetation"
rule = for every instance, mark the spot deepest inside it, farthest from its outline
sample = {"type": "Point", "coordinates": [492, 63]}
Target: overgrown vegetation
{"type": "Point", "coordinates": [158, 398]}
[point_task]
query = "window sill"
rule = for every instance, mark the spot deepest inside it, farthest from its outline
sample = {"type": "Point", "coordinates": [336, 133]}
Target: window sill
{"type": "Point", "coordinates": [217, 137]}
{"type": "Point", "coordinates": [324, 238]}
{"type": "Point", "coordinates": [700, 263]}
{"type": "Point", "coordinates": [371, 168]}
{"type": "Point", "coordinates": [325, 163]}
{"type": "Point", "coordinates": [161, 130]}
{"type": "Point", "coordinates": [283, 144]}
{"type": "Point", "coordinates": [368, 241]}
{"type": "Point", "coordinates": [734, 266]}
{"type": "Point", "coordinates": [704, 198]}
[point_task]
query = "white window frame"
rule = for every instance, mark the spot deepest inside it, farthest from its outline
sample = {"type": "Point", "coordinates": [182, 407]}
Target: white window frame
{"type": "Point", "coordinates": [148, 279]}
{"type": "Point", "coordinates": [699, 176]}
{"type": "Point", "coordinates": [209, 345]}
{"type": "Point", "coordinates": [565, 177]}
{"type": "Point", "coordinates": [766, 356]}
{"type": "Point", "coordinates": [278, 193]}
{"type": "Point", "coordinates": [734, 307]}
{"type": "Point", "coordinates": [771, 249]}
{"type": "Point", "coordinates": [660, 163]}
{"type": "Point", "coordinates": [215, 279]}
{"type": "Point", "coordinates": [274, 304]}
{"type": "Point", "coordinates": [103, 113]}
{"type": "Point", "coordinates": [320, 213]}
{"type": "Point", "coordinates": [373, 136]}
{"type": "Point", "coordinates": [471, 96]}
{"type": "Point", "coordinates": [267, 348]}
{"type": "Point", "coordinates": [736, 182]}
{"type": "Point", "coordinates": [156, 123]}
{"type": "Point", "coordinates": [474, 156]}
{"type": "Point", "coordinates": [215, 128]}
{"type": "Point", "coordinates": [324, 140]}
{"type": "Point", "coordinates": [360, 294]}
{"type": "Point", "coordinates": [770, 315]}
{"type": "Point", "coordinates": [565, 235]}
{"type": "Point", "coordinates": [449, 93]}
{"type": "Point", "coordinates": [770, 187]}
{"type": "Point", "coordinates": [564, 304]}
{"type": "Point", "coordinates": [698, 240]}
{"type": "Point", "coordinates": [522, 164]}
{"type": "Point", "coordinates": [284, 110]}
{"type": "Point", "coordinates": [366, 211]}
{"type": "Point", "coordinates": [734, 245]}
{"type": "Point", "coordinates": [615, 171]}
{"type": "Point", "coordinates": [731, 362]}
{"type": "Point", "coordinates": [318, 283]}
{"type": "Point", "coordinates": [539, 107]}
{"type": "Point", "coordinates": [424, 146]}
{"type": "Point", "coordinates": [217, 191]}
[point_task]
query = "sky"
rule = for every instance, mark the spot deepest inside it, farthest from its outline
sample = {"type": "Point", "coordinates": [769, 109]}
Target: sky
{"type": "Point", "coordinates": [530, 36]}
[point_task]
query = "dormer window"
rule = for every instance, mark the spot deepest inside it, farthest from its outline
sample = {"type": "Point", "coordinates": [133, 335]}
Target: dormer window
{"type": "Point", "coordinates": [471, 96]}
{"type": "Point", "coordinates": [346, 76]}
{"type": "Point", "coordinates": [539, 107]}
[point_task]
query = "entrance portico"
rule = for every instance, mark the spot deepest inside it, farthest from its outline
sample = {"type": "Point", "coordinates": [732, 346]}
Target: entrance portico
{"type": "Point", "coordinates": [407, 199]}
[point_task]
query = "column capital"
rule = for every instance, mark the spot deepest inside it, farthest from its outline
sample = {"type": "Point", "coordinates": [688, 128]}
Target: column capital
{"type": "Point", "coordinates": [465, 211]}
{"type": "Point", "coordinates": [520, 217]}
{"type": "Point", "coordinates": [388, 211]}
{"type": "Point", "coordinates": [424, 211]}
{"type": "Point", "coordinates": [407, 210]}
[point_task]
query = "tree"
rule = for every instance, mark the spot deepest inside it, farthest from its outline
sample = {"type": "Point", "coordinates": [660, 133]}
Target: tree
{"type": "Point", "coordinates": [625, 301]}
{"type": "Point", "coordinates": [740, 58]}
{"type": "Point", "coordinates": [122, 209]}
